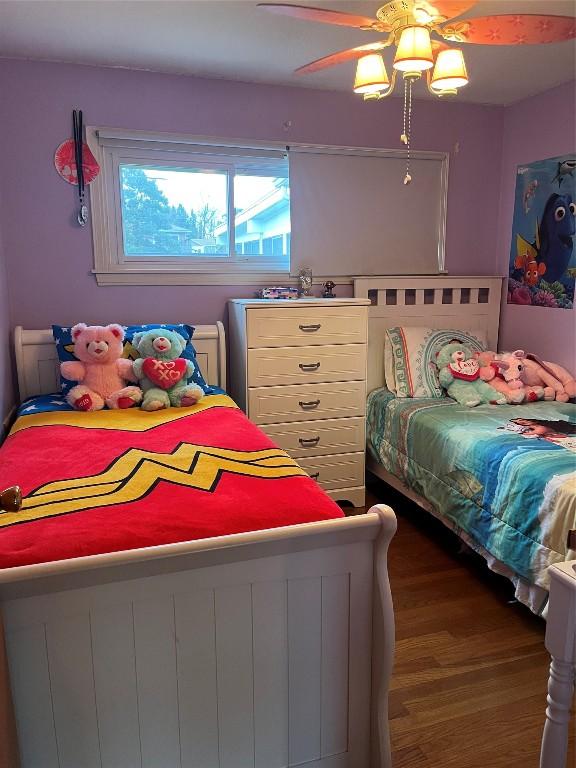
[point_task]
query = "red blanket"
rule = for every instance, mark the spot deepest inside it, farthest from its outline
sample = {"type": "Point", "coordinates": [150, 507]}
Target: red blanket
{"type": "Point", "coordinates": [115, 480]}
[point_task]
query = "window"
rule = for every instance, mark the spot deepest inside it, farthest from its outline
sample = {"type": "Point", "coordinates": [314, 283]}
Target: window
{"type": "Point", "coordinates": [171, 208]}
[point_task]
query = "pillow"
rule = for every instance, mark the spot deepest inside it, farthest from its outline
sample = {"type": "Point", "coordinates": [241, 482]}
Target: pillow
{"type": "Point", "coordinates": [413, 353]}
{"type": "Point", "coordinates": [64, 346]}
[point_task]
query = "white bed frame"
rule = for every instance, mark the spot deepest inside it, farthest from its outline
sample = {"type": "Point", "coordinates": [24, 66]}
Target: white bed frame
{"type": "Point", "coordinates": [264, 650]}
{"type": "Point", "coordinates": [435, 302]}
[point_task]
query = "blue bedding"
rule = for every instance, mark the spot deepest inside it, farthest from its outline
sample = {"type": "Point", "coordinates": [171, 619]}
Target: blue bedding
{"type": "Point", "coordinates": [504, 477]}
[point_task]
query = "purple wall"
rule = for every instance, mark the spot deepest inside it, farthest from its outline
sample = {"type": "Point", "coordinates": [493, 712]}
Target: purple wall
{"type": "Point", "coordinates": [49, 258]}
{"type": "Point", "coordinates": [6, 388]}
{"type": "Point", "coordinates": [534, 129]}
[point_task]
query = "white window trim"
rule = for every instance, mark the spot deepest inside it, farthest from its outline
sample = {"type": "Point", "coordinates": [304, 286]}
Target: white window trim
{"type": "Point", "coordinates": [109, 147]}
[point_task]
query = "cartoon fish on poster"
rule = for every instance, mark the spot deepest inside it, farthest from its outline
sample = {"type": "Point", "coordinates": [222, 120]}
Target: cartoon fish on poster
{"type": "Point", "coordinates": [526, 262]}
{"type": "Point", "coordinates": [556, 232]}
{"type": "Point", "coordinates": [542, 262]}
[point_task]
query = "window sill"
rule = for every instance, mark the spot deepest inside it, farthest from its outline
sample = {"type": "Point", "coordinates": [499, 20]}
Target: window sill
{"type": "Point", "coordinates": [199, 278]}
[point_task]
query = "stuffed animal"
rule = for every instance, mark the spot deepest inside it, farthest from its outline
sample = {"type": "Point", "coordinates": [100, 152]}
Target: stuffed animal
{"type": "Point", "coordinates": [505, 373]}
{"type": "Point", "coordinates": [558, 383]}
{"type": "Point", "coordinates": [459, 374]}
{"type": "Point", "coordinates": [162, 373]}
{"type": "Point", "coordinates": [100, 369]}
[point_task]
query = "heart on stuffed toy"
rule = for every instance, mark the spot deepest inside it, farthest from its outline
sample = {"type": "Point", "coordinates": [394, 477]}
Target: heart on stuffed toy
{"type": "Point", "coordinates": [164, 373]}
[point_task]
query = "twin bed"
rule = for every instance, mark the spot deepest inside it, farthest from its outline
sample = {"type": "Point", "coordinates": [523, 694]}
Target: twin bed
{"type": "Point", "coordinates": [507, 489]}
{"type": "Point", "coordinates": [176, 591]}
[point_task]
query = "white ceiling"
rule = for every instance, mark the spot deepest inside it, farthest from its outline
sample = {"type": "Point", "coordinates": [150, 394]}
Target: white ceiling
{"type": "Point", "coordinates": [236, 40]}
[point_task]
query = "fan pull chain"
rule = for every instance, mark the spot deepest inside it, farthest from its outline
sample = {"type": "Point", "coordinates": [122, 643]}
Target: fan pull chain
{"type": "Point", "coordinates": [407, 132]}
{"type": "Point", "coordinates": [403, 137]}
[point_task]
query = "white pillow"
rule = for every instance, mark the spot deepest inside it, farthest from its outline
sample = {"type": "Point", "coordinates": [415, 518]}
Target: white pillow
{"type": "Point", "coordinates": [413, 357]}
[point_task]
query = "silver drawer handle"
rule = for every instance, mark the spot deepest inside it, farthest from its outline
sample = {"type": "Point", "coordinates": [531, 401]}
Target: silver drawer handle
{"type": "Point", "coordinates": [308, 366]}
{"type": "Point", "coordinates": [310, 328]}
{"type": "Point", "coordinates": [309, 442]}
{"type": "Point", "coordinates": [315, 476]}
{"type": "Point", "coordinates": [310, 405]}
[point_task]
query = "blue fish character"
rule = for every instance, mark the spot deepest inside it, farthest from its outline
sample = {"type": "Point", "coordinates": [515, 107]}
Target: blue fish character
{"type": "Point", "coordinates": [555, 241]}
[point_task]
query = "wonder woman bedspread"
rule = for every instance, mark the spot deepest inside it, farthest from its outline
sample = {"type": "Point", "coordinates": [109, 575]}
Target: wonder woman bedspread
{"type": "Point", "coordinates": [114, 480]}
{"type": "Point", "coordinates": [504, 477]}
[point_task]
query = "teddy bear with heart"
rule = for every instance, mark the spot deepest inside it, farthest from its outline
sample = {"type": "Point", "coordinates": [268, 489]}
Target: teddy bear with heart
{"type": "Point", "coordinates": [161, 372]}
{"type": "Point", "coordinates": [459, 374]}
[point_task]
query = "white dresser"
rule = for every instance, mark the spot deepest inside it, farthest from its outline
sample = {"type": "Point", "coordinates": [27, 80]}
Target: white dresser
{"type": "Point", "coordinates": [298, 369]}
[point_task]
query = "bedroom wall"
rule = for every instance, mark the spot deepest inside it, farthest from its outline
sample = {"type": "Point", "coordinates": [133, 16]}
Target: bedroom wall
{"type": "Point", "coordinates": [6, 388]}
{"type": "Point", "coordinates": [49, 257]}
{"type": "Point", "coordinates": [535, 129]}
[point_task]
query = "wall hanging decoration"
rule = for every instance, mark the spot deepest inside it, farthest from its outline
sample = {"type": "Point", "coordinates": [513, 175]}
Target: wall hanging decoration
{"type": "Point", "coordinates": [542, 268]}
{"type": "Point", "coordinates": [76, 164]}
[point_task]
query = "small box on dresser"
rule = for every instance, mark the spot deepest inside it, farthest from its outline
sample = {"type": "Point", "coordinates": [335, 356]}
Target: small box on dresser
{"type": "Point", "coordinates": [298, 370]}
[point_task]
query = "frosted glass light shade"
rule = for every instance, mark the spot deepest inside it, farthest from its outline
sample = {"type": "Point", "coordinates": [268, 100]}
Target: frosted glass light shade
{"type": "Point", "coordinates": [371, 75]}
{"type": "Point", "coordinates": [414, 52]}
{"type": "Point", "coordinates": [449, 71]}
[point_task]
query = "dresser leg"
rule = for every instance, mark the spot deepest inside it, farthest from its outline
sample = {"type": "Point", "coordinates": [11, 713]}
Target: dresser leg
{"type": "Point", "coordinates": [560, 699]}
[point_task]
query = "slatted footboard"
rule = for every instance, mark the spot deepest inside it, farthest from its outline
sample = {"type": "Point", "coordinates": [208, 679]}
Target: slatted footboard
{"type": "Point", "coordinates": [252, 650]}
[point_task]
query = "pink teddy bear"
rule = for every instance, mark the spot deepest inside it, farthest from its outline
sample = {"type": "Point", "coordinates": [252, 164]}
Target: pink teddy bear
{"type": "Point", "coordinates": [100, 369]}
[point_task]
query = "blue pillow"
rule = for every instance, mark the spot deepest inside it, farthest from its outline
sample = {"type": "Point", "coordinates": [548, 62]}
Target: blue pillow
{"type": "Point", "coordinates": [64, 346]}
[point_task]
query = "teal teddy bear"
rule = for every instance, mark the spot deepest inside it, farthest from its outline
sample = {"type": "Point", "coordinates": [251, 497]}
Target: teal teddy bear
{"type": "Point", "coordinates": [459, 374]}
{"type": "Point", "coordinates": [161, 372]}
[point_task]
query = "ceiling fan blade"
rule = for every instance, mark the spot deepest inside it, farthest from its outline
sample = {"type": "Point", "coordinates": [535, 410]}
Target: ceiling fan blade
{"type": "Point", "coordinates": [442, 10]}
{"type": "Point", "coordinates": [340, 57]}
{"type": "Point", "coordinates": [525, 29]}
{"type": "Point", "coordinates": [325, 16]}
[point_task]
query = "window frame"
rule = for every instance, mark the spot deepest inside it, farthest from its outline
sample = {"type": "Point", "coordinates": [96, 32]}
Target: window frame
{"type": "Point", "coordinates": [112, 266]}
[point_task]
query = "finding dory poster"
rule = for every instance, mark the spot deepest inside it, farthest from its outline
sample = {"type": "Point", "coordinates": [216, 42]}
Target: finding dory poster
{"type": "Point", "coordinates": [542, 253]}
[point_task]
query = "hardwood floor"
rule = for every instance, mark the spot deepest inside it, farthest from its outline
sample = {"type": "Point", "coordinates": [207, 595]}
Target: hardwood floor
{"type": "Point", "coordinates": [471, 669]}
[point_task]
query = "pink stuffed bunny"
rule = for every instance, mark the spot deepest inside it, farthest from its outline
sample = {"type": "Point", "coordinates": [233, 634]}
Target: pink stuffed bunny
{"type": "Point", "coordinates": [100, 369]}
{"type": "Point", "coordinates": [558, 383]}
{"type": "Point", "coordinates": [505, 372]}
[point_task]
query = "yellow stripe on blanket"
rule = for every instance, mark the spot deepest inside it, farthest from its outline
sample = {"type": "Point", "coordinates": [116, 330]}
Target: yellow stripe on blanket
{"type": "Point", "coordinates": [137, 472]}
{"type": "Point", "coordinates": [129, 419]}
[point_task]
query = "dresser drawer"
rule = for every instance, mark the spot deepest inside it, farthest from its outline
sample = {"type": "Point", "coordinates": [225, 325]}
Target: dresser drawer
{"type": "Point", "coordinates": [343, 471]}
{"type": "Point", "coordinates": [303, 365]}
{"type": "Point", "coordinates": [317, 438]}
{"type": "Point", "coordinates": [305, 402]}
{"type": "Point", "coordinates": [302, 326]}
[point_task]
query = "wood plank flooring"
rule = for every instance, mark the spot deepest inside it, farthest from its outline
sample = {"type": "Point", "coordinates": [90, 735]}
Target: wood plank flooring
{"type": "Point", "coordinates": [471, 669]}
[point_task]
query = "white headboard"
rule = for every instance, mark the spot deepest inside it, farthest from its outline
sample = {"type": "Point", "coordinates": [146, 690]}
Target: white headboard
{"type": "Point", "coordinates": [39, 372]}
{"type": "Point", "coordinates": [469, 303]}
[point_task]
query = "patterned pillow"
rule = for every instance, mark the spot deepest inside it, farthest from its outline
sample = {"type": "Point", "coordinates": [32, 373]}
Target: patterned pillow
{"type": "Point", "coordinates": [64, 346]}
{"type": "Point", "coordinates": [414, 352]}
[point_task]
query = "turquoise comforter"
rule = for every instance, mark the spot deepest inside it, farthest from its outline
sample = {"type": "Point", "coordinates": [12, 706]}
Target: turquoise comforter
{"type": "Point", "coordinates": [505, 475]}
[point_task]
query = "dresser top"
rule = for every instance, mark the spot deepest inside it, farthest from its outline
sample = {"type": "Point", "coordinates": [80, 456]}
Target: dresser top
{"type": "Point", "coordinates": [312, 301]}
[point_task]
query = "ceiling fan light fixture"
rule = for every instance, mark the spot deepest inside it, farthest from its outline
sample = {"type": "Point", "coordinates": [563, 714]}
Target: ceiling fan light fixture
{"type": "Point", "coordinates": [414, 52]}
{"type": "Point", "coordinates": [371, 75]}
{"type": "Point", "coordinates": [449, 71]}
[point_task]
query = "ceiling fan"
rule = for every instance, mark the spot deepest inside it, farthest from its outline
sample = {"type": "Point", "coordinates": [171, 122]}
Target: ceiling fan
{"type": "Point", "coordinates": [424, 33]}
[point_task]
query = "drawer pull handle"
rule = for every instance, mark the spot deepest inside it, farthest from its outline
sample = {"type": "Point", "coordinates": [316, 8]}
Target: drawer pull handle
{"type": "Point", "coordinates": [310, 328]}
{"type": "Point", "coordinates": [315, 476]}
{"type": "Point", "coordinates": [308, 366]}
{"type": "Point", "coordinates": [309, 442]}
{"type": "Point", "coordinates": [309, 406]}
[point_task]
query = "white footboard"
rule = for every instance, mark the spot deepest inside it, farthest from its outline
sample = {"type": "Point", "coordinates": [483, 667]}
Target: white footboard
{"type": "Point", "coordinates": [255, 650]}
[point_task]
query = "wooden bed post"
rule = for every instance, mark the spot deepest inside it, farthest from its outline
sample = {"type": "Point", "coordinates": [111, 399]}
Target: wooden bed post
{"type": "Point", "coordinates": [561, 642]}
{"type": "Point", "coordinates": [382, 639]}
